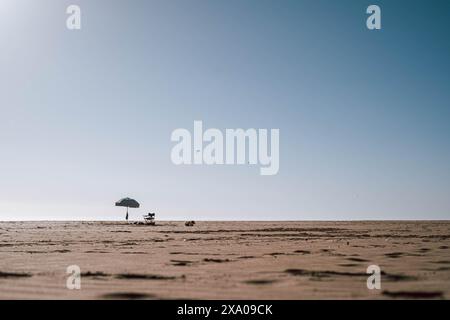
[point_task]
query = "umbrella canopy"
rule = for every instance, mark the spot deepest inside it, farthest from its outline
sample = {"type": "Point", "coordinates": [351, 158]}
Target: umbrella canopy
{"type": "Point", "coordinates": [127, 202]}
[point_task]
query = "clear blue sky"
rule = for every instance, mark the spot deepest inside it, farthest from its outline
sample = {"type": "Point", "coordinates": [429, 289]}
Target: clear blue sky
{"type": "Point", "coordinates": [364, 116]}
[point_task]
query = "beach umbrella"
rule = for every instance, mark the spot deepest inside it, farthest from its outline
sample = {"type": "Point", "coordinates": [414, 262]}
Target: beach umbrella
{"type": "Point", "coordinates": [127, 202]}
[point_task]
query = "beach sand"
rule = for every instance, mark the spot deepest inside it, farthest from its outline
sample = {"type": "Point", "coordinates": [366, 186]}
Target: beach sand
{"type": "Point", "coordinates": [225, 260]}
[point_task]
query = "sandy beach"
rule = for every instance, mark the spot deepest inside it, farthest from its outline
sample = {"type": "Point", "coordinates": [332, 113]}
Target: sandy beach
{"type": "Point", "coordinates": [225, 260]}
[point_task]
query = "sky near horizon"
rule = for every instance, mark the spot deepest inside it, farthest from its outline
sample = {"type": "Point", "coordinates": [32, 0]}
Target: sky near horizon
{"type": "Point", "coordinates": [87, 115]}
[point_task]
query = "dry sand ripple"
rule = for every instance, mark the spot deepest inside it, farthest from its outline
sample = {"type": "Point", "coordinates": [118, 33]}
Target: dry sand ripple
{"type": "Point", "coordinates": [220, 260]}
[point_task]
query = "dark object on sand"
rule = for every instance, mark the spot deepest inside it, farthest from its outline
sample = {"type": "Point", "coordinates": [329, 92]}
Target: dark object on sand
{"type": "Point", "coordinates": [189, 223]}
{"type": "Point", "coordinates": [127, 202]}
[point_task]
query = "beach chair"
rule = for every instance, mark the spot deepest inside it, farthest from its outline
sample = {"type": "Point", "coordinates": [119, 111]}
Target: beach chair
{"type": "Point", "coordinates": [149, 218]}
